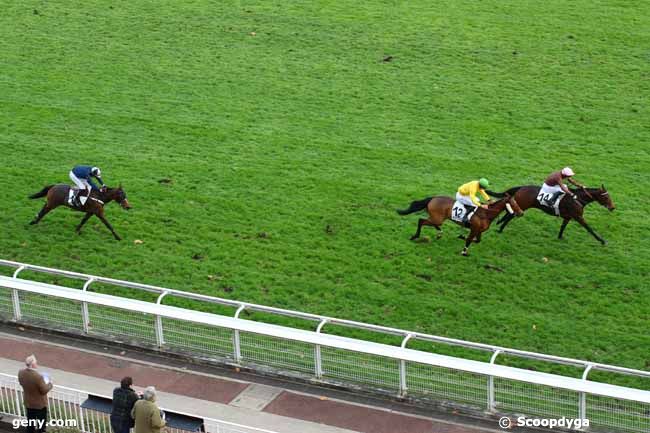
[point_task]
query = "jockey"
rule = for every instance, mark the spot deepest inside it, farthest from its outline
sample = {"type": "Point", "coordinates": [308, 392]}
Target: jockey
{"type": "Point", "coordinates": [82, 176]}
{"type": "Point", "coordinates": [467, 193]}
{"type": "Point", "coordinates": [554, 188]}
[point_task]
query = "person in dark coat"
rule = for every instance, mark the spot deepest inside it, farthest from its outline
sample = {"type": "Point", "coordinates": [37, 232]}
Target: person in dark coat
{"type": "Point", "coordinates": [124, 398]}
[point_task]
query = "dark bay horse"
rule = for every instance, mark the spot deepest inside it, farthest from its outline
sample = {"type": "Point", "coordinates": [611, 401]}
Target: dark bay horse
{"type": "Point", "coordinates": [439, 210]}
{"type": "Point", "coordinates": [57, 195]}
{"type": "Point", "coordinates": [570, 209]}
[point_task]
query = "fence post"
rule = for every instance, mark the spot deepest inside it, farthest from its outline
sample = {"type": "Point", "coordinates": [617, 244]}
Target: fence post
{"type": "Point", "coordinates": [318, 362]}
{"type": "Point", "coordinates": [19, 406]}
{"type": "Point", "coordinates": [403, 386]}
{"type": "Point", "coordinates": [160, 338]}
{"type": "Point", "coordinates": [82, 427]}
{"type": "Point", "coordinates": [84, 307]}
{"type": "Point", "coordinates": [582, 408]}
{"type": "Point", "coordinates": [491, 406]}
{"type": "Point", "coordinates": [235, 336]}
{"type": "Point", "coordinates": [15, 297]}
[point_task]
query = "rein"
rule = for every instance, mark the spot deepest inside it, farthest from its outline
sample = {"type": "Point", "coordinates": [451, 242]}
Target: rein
{"type": "Point", "coordinates": [584, 201]}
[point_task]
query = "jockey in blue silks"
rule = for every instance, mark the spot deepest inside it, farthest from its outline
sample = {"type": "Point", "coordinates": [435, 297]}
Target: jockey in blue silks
{"type": "Point", "coordinates": [82, 176]}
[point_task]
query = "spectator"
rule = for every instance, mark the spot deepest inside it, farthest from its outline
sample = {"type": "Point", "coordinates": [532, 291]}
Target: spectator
{"type": "Point", "coordinates": [124, 397]}
{"type": "Point", "coordinates": [148, 417]}
{"type": "Point", "coordinates": [35, 389]}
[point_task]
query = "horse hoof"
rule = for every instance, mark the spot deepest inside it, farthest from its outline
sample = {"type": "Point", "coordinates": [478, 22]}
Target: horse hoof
{"type": "Point", "coordinates": [461, 237]}
{"type": "Point", "coordinates": [439, 235]}
{"type": "Point", "coordinates": [604, 242]}
{"type": "Point", "coordinates": [412, 238]}
{"type": "Point", "coordinates": [464, 253]}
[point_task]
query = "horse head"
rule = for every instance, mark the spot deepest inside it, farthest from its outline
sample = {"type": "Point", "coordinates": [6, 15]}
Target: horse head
{"type": "Point", "coordinates": [602, 197]}
{"type": "Point", "coordinates": [119, 195]}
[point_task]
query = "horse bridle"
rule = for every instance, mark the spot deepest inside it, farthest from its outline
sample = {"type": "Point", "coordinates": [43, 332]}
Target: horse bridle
{"type": "Point", "coordinates": [602, 193]}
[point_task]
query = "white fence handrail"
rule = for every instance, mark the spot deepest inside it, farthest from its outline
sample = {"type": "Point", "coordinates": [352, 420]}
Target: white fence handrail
{"type": "Point", "coordinates": [591, 366]}
{"type": "Point", "coordinates": [333, 341]}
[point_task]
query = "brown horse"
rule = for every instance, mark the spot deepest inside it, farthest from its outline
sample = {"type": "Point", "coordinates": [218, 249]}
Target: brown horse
{"type": "Point", "coordinates": [569, 208]}
{"type": "Point", "coordinates": [439, 209]}
{"type": "Point", "coordinates": [57, 195]}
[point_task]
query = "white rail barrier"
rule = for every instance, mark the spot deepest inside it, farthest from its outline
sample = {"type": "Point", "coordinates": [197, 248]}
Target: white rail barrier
{"type": "Point", "coordinates": [328, 358]}
{"type": "Point", "coordinates": [65, 404]}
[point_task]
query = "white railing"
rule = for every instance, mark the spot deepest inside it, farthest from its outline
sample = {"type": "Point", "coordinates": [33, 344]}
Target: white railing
{"type": "Point", "coordinates": [327, 358]}
{"type": "Point", "coordinates": [65, 404]}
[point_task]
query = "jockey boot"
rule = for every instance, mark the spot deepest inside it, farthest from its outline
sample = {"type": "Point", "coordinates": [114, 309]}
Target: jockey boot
{"type": "Point", "coordinates": [75, 200]}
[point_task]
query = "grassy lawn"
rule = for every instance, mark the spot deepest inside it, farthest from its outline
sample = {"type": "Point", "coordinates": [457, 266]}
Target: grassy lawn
{"type": "Point", "coordinates": [286, 143]}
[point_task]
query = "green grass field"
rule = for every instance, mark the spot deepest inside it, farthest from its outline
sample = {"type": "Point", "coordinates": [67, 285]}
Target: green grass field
{"type": "Point", "coordinates": [289, 144]}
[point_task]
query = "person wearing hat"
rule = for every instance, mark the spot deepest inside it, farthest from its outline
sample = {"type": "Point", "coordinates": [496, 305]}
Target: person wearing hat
{"type": "Point", "coordinates": [82, 176]}
{"type": "Point", "coordinates": [554, 188]}
{"type": "Point", "coordinates": [467, 193]}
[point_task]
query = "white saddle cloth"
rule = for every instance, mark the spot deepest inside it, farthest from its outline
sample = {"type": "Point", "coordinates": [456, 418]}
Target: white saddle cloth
{"type": "Point", "coordinates": [459, 212]}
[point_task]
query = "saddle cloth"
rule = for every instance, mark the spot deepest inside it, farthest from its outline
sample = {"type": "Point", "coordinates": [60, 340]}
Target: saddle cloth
{"type": "Point", "coordinates": [550, 197]}
{"type": "Point", "coordinates": [71, 195]}
{"type": "Point", "coordinates": [460, 213]}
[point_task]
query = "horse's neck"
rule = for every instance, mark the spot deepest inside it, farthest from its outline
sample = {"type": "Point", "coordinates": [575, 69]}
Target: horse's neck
{"type": "Point", "coordinates": [497, 208]}
{"type": "Point", "coordinates": [586, 196]}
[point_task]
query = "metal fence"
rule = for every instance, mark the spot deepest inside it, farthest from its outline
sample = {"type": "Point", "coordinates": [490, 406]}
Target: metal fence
{"type": "Point", "coordinates": [318, 356]}
{"type": "Point", "coordinates": [65, 405]}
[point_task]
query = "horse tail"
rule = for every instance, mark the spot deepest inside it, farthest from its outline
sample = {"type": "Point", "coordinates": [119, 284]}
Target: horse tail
{"type": "Point", "coordinates": [512, 191]}
{"type": "Point", "coordinates": [41, 193]}
{"type": "Point", "coordinates": [415, 206]}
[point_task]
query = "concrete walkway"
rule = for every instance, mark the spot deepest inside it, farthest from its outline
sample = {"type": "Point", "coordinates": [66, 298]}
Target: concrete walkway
{"type": "Point", "coordinates": [216, 396]}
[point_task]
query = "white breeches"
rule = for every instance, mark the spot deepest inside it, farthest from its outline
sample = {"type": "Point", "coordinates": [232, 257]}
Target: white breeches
{"type": "Point", "coordinates": [81, 183]}
{"type": "Point", "coordinates": [465, 199]}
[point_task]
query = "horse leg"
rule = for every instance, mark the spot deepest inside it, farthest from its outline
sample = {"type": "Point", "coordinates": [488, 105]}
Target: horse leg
{"type": "Point", "coordinates": [44, 210]}
{"type": "Point", "coordinates": [108, 225]}
{"type": "Point", "coordinates": [439, 234]}
{"type": "Point", "coordinates": [503, 222]}
{"type": "Point", "coordinates": [478, 238]}
{"type": "Point", "coordinates": [421, 222]}
{"type": "Point", "coordinates": [564, 224]}
{"type": "Point", "coordinates": [584, 224]}
{"type": "Point", "coordinates": [468, 242]}
{"type": "Point", "coordinates": [83, 221]}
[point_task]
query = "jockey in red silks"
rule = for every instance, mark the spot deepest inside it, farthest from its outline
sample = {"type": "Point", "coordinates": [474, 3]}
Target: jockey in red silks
{"type": "Point", "coordinates": [554, 188]}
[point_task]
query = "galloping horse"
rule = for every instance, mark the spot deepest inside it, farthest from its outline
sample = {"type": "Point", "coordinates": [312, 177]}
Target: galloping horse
{"type": "Point", "coordinates": [439, 209]}
{"type": "Point", "coordinates": [57, 195]}
{"type": "Point", "coordinates": [569, 208]}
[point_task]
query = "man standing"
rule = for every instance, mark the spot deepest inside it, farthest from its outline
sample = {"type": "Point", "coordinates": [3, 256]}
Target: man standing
{"type": "Point", "coordinates": [35, 389]}
{"type": "Point", "coordinates": [124, 398]}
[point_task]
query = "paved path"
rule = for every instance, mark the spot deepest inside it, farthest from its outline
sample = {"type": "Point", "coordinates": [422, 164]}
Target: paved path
{"type": "Point", "coordinates": [226, 398]}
